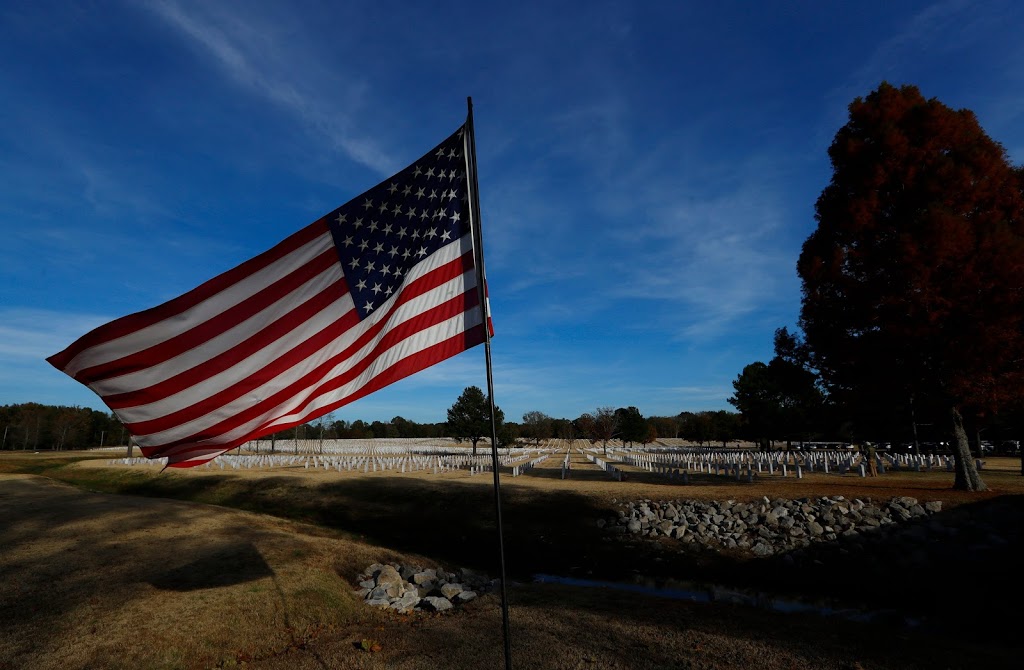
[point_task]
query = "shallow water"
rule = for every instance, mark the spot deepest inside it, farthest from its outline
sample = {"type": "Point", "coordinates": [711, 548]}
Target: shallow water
{"type": "Point", "coordinates": [716, 593]}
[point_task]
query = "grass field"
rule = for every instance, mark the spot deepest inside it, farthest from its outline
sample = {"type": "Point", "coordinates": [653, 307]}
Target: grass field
{"type": "Point", "coordinates": [122, 567]}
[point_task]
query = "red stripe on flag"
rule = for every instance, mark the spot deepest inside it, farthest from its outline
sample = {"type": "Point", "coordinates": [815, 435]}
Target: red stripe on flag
{"type": "Point", "coordinates": [314, 378]}
{"type": "Point", "coordinates": [420, 286]}
{"type": "Point", "coordinates": [203, 332]}
{"type": "Point", "coordinates": [225, 360]}
{"type": "Point", "coordinates": [404, 368]}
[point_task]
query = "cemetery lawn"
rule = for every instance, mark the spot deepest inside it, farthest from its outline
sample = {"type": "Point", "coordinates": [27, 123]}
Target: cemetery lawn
{"type": "Point", "coordinates": [120, 567]}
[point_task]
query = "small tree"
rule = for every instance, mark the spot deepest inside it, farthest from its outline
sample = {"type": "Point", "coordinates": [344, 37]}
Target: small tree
{"type": "Point", "coordinates": [780, 399]}
{"type": "Point", "coordinates": [697, 427]}
{"type": "Point", "coordinates": [632, 425]}
{"type": "Point", "coordinates": [508, 435]}
{"type": "Point", "coordinates": [667, 426]}
{"type": "Point", "coordinates": [565, 429]}
{"type": "Point", "coordinates": [470, 417]}
{"type": "Point", "coordinates": [537, 426]}
{"type": "Point", "coordinates": [605, 426]}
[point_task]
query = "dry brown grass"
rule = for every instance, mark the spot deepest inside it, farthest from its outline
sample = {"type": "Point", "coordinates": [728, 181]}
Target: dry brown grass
{"type": "Point", "coordinates": [94, 580]}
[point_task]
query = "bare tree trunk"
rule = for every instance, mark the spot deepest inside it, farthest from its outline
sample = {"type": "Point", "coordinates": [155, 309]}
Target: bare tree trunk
{"type": "Point", "coordinates": [967, 477]}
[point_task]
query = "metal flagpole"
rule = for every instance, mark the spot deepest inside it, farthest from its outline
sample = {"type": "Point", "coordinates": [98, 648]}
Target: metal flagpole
{"type": "Point", "coordinates": [478, 251]}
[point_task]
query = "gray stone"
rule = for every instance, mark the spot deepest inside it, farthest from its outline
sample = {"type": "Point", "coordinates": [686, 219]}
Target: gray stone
{"type": "Point", "coordinates": [423, 577]}
{"type": "Point", "coordinates": [379, 602]}
{"type": "Point", "coordinates": [901, 513]}
{"type": "Point", "coordinates": [390, 580]}
{"type": "Point", "coordinates": [633, 526]}
{"type": "Point", "coordinates": [465, 597]}
{"type": "Point", "coordinates": [435, 604]}
{"type": "Point", "coordinates": [449, 591]}
{"type": "Point", "coordinates": [406, 603]}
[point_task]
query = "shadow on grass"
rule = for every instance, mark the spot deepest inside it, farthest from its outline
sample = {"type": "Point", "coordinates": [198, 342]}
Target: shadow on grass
{"type": "Point", "coordinates": [220, 566]}
{"type": "Point", "coordinates": [452, 522]}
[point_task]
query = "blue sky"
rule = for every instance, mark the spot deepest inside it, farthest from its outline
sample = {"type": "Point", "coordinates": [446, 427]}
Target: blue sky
{"type": "Point", "coordinates": [648, 170]}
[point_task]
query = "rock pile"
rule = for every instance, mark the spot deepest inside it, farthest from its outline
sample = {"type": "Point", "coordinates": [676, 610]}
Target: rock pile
{"type": "Point", "coordinates": [408, 589]}
{"type": "Point", "coordinates": [765, 527]}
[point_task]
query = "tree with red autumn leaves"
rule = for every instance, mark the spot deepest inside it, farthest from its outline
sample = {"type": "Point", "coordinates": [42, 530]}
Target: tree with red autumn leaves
{"type": "Point", "coordinates": [913, 281]}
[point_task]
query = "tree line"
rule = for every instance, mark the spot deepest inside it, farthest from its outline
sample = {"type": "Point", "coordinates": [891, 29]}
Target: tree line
{"type": "Point", "coordinates": [33, 426]}
{"type": "Point", "coordinates": [469, 419]}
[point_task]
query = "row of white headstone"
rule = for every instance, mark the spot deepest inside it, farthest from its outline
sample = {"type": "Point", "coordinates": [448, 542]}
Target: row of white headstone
{"type": "Point", "coordinates": [526, 467]}
{"type": "Point", "coordinates": [614, 472]}
{"type": "Point", "coordinates": [565, 463]}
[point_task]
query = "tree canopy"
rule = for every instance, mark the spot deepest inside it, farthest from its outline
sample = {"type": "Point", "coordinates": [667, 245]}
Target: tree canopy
{"type": "Point", "coordinates": [470, 417]}
{"type": "Point", "coordinates": [537, 426]}
{"type": "Point", "coordinates": [780, 399]}
{"type": "Point", "coordinates": [913, 281]}
{"type": "Point", "coordinates": [632, 425]}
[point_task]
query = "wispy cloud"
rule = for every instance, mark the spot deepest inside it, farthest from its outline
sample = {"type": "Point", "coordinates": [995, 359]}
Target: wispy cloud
{"type": "Point", "coordinates": [948, 32]}
{"type": "Point", "coordinates": [30, 335]}
{"type": "Point", "coordinates": [710, 259]}
{"type": "Point", "coordinates": [27, 338]}
{"type": "Point", "coordinates": [255, 57]}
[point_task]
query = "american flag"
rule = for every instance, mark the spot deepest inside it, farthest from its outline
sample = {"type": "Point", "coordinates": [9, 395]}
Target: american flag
{"type": "Point", "coordinates": [380, 288]}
